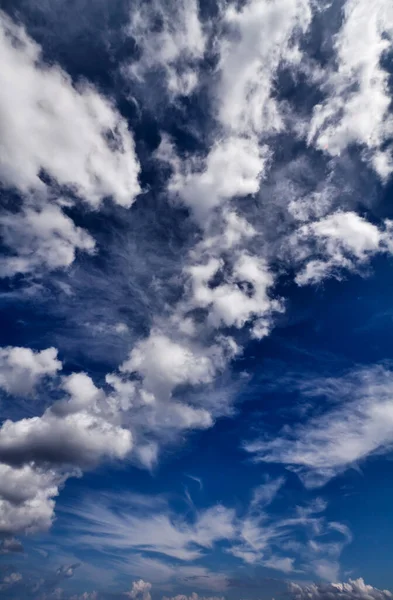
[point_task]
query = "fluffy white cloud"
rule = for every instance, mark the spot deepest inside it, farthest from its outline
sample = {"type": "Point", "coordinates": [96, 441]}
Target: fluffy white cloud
{"type": "Point", "coordinates": [77, 436]}
{"type": "Point", "coordinates": [360, 423]}
{"type": "Point", "coordinates": [261, 36]}
{"type": "Point", "coordinates": [41, 237]}
{"type": "Point", "coordinates": [27, 498]}
{"type": "Point", "coordinates": [164, 364]}
{"type": "Point", "coordinates": [38, 454]}
{"type": "Point", "coordinates": [356, 108]}
{"type": "Point", "coordinates": [343, 240]}
{"type": "Point", "coordinates": [71, 132]}
{"type": "Point", "coordinates": [232, 168]}
{"type": "Point", "coordinates": [21, 369]}
{"type": "Point", "coordinates": [354, 589]}
{"type": "Point", "coordinates": [140, 590]}
{"type": "Point", "coordinates": [241, 297]}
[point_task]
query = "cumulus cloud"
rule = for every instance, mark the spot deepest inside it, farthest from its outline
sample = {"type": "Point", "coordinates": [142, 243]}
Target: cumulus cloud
{"type": "Point", "coordinates": [38, 454]}
{"type": "Point", "coordinates": [356, 106]}
{"type": "Point", "coordinates": [77, 439]}
{"type": "Point", "coordinates": [27, 498]}
{"type": "Point", "coordinates": [140, 590]}
{"type": "Point", "coordinates": [72, 133]}
{"type": "Point", "coordinates": [353, 589]}
{"type": "Point", "coordinates": [357, 425]}
{"type": "Point", "coordinates": [21, 369]}
{"type": "Point", "coordinates": [343, 240]}
{"type": "Point", "coordinates": [261, 37]}
{"type": "Point", "coordinates": [41, 237]}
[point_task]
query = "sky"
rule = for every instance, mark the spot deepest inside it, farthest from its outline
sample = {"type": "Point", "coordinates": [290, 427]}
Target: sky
{"type": "Point", "coordinates": [196, 368]}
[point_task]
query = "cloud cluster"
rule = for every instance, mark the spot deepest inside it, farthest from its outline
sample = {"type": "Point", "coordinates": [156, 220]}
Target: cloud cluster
{"type": "Point", "coordinates": [354, 589]}
{"type": "Point", "coordinates": [357, 99]}
{"type": "Point", "coordinates": [193, 596]}
{"type": "Point", "coordinates": [38, 454]}
{"type": "Point", "coordinates": [71, 133]}
{"type": "Point", "coordinates": [21, 369]}
{"type": "Point", "coordinates": [140, 590]}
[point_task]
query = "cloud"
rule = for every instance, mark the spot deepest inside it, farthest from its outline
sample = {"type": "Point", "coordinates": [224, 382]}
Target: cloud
{"type": "Point", "coordinates": [193, 596]}
{"type": "Point", "coordinates": [302, 541]}
{"type": "Point", "coordinates": [353, 589]}
{"type": "Point", "coordinates": [261, 37]}
{"type": "Point", "coordinates": [140, 590]}
{"type": "Point", "coordinates": [68, 131]}
{"type": "Point", "coordinates": [357, 424]}
{"type": "Point", "coordinates": [357, 99]}
{"type": "Point", "coordinates": [344, 240]}
{"type": "Point", "coordinates": [27, 498]}
{"type": "Point", "coordinates": [21, 369]}
{"type": "Point", "coordinates": [111, 525]}
{"type": "Point", "coordinates": [153, 538]}
{"type": "Point", "coordinates": [233, 167]}
{"type": "Point", "coordinates": [41, 237]}
{"type": "Point", "coordinates": [10, 580]}
{"type": "Point", "coordinates": [38, 454]}
{"type": "Point", "coordinates": [172, 51]}
{"type": "Point", "coordinates": [10, 545]}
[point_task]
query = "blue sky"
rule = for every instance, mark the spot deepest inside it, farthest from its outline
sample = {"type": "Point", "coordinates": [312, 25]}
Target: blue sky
{"type": "Point", "coordinates": [196, 375]}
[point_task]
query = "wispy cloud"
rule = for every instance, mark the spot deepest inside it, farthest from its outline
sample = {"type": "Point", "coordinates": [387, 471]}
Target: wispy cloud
{"type": "Point", "coordinates": [356, 423]}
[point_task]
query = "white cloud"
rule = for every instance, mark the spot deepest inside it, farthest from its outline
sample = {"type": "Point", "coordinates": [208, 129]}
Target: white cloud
{"type": "Point", "coordinates": [8, 581]}
{"type": "Point", "coordinates": [232, 168]}
{"type": "Point", "coordinates": [356, 108]}
{"type": "Point", "coordinates": [274, 542]}
{"type": "Point", "coordinates": [71, 132]}
{"type": "Point", "coordinates": [21, 369]}
{"type": "Point", "coordinates": [241, 297]}
{"type": "Point", "coordinates": [343, 240]}
{"type": "Point", "coordinates": [174, 50]}
{"type": "Point", "coordinates": [354, 589]}
{"type": "Point", "coordinates": [262, 35]}
{"type": "Point", "coordinates": [193, 596]}
{"type": "Point", "coordinates": [80, 438]}
{"type": "Point", "coordinates": [165, 364]}
{"type": "Point", "coordinates": [123, 525]}
{"type": "Point", "coordinates": [359, 424]}
{"type": "Point", "coordinates": [140, 590]}
{"type": "Point", "coordinates": [27, 498]}
{"type": "Point", "coordinates": [39, 454]}
{"type": "Point", "coordinates": [41, 237]}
